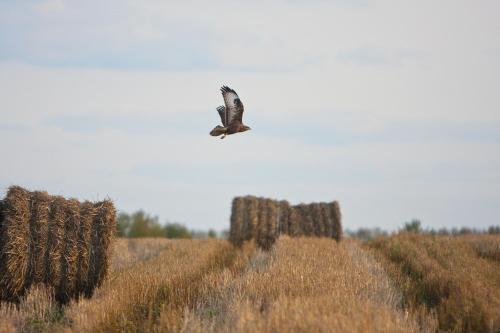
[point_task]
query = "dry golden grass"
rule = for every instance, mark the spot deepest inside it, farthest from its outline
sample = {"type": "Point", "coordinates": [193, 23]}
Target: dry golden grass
{"type": "Point", "coordinates": [486, 246]}
{"type": "Point", "coordinates": [128, 251]}
{"type": "Point", "coordinates": [303, 284]}
{"type": "Point", "coordinates": [449, 276]}
{"type": "Point", "coordinates": [404, 283]}
{"type": "Point", "coordinates": [132, 299]}
{"type": "Point", "coordinates": [36, 313]}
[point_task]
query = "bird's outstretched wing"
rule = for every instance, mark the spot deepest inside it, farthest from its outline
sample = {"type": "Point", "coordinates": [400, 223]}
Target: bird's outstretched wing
{"type": "Point", "coordinates": [234, 106]}
{"type": "Point", "coordinates": [222, 113]}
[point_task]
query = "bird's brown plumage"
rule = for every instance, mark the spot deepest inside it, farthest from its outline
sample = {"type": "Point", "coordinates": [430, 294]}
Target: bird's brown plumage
{"type": "Point", "coordinates": [231, 114]}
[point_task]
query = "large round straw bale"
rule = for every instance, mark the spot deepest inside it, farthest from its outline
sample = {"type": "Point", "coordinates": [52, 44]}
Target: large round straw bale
{"type": "Point", "coordinates": [294, 222]}
{"type": "Point", "coordinates": [245, 225]}
{"type": "Point", "coordinates": [262, 220]}
{"type": "Point", "coordinates": [315, 214]}
{"type": "Point", "coordinates": [327, 219]}
{"type": "Point", "coordinates": [87, 215]}
{"type": "Point", "coordinates": [69, 258]}
{"type": "Point", "coordinates": [48, 239]}
{"type": "Point", "coordinates": [108, 212]}
{"type": "Point", "coordinates": [265, 219]}
{"type": "Point", "coordinates": [236, 230]}
{"type": "Point", "coordinates": [307, 223]}
{"type": "Point", "coordinates": [337, 220]}
{"type": "Point", "coordinates": [253, 217]}
{"type": "Point", "coordinates": [39, 229]}
{"type": "Point", "coordinates": [15, 244]}
{"type": "Point", "coordinates": [270, 233]}
{"type": "Point", "coordinates": [271, 217]}
{"type": "Point", "coordinates": [55, 242]}
{"type": "Point", "coordinates": [103, 228]}
{"type": "Point", "coordinates": [283, 214]}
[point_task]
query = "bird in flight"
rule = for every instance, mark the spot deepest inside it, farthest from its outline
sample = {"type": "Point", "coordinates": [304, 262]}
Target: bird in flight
{"type": "Point", "coordinates": [231, 115]}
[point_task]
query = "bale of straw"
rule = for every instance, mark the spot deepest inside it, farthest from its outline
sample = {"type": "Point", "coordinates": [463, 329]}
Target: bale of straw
{"type": "Point", "coordinates": [283, 213]}
{"type": "Point", "coordinates": [327, 219]}
{"type": "Point", "coordinates": [270, 232]}
{"type": "Point", "coordinates": [262, 222]}
{"type": "Point", "coordinates": [48, 239]}
{"type": "Point", "coordinates": [235, 232]}
{"type": "Point", "coordinates": [274, 217]}
{"type": "Point", "coordinates": [1, 217]}
{"type": "Point", "coordinates": [245, 220]}
{"type": "Point", "coordinates": [15, 244]}
{"type": "Point", "coordinates": [315, 214]}
{"type": "Point", "coordinates": [107, 213]}
{"type": "Point", "coordinates": [337, 220]}
{"type": "Point", "coordinates": [69, 255]}
{"type": "Point", "coordinates": [294, 222]}
{"type": "Point", "coordinates": [252, 207]}
{"type": "Point", "coordinates": [87, 215]}
{"type": "Point", "coordinates": [55, 242]}
{"type": "Point", "coordinates": [102, 231]}
{"type": "Point", "coordinates": [306, 221]}
{"type": "Point", "coordinates": [39, 230]}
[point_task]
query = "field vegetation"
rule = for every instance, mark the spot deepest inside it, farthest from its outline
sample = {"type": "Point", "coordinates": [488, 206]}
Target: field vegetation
{"type": "Point", "coordinates": [303, 284]}
{"type": "Point", "coordinates": [399, 283]}
{"type": "Point", "coordinates": [454, 279]}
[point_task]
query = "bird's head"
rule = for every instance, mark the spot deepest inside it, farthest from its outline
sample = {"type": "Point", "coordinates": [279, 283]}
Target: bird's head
{"type": "Point", "coordinates": [245, 128]}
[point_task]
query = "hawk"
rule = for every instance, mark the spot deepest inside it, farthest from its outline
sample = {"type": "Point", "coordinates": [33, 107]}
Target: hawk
{"type": "Point", "coordinates": [231, 115]}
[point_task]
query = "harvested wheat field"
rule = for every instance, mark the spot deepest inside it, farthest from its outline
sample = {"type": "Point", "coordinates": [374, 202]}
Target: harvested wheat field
{"type": "Point", "coordinates": [456, 279]}
{"type": "Point", "coordinates": [402, 283]}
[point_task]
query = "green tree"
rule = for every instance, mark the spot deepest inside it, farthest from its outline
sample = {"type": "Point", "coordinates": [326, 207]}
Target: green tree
{"type": "Point", "coordinates": [413, 226]}
{"type": "Point", "coordinates": [212, 233]}
{"type": "Point", "coordinates": [144, 225]}
{"type": "Point", "coordinates": [122, 224]}
{"type": "Point", "coordinates": [176, 230]}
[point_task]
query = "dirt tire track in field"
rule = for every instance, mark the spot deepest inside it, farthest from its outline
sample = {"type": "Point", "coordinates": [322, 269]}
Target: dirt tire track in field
{"type": "Point", "coordinates": [184, 291]}
{"type": "Point", "coordinates": [384, 290]}
{"type": "Point", "coordinates": [214, 310]}
{"type": "Point", "coordinates": [302, 284]}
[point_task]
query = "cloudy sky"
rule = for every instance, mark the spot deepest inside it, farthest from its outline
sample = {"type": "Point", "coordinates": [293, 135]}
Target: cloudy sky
{"type": "Point", "coordinates": [390, 107]}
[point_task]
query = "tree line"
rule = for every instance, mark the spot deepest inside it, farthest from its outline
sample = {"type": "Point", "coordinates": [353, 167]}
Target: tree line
{"type": "Point", "coordinates": [415, 226]}
{"type": "Point", "coordinates": [141, 224]}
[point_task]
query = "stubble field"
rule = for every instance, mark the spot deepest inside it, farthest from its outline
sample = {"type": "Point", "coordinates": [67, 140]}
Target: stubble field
{"type": "Point", "coordinates": [401, 283]}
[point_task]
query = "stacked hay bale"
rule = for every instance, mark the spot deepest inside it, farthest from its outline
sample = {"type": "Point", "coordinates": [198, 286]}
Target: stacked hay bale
{"type": "Point", "coordinates": [102, 230]}
{"type": "Point", "coordinates": [251, 214]}
{"type": "Point", "coordinates": [236, 235]}
{"type": "Point", "coordinates": [87, 217]}
{"type": "Point", "coordinates": [336, 221]}
{"type": "Point", "coordinates": [47, 239]}
{"type": "Point", "coordinates": [14, 238]}
{"type": "Point", "coordinates": [283, 217]}
{"type": "Point", "coordinates": [264, 220]}
{"type": "Point", "coordinates": [268, 224]}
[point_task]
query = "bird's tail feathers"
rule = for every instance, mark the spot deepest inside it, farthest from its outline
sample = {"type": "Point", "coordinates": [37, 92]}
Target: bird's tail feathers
{"type": "Point", "coordinates": [218, 130]}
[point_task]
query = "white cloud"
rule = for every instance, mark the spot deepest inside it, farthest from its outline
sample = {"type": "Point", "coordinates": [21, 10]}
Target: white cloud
{"type": "Point", "coordinates": [390, 107]}
{"type": "Point", "coordinates": [50, 6]}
